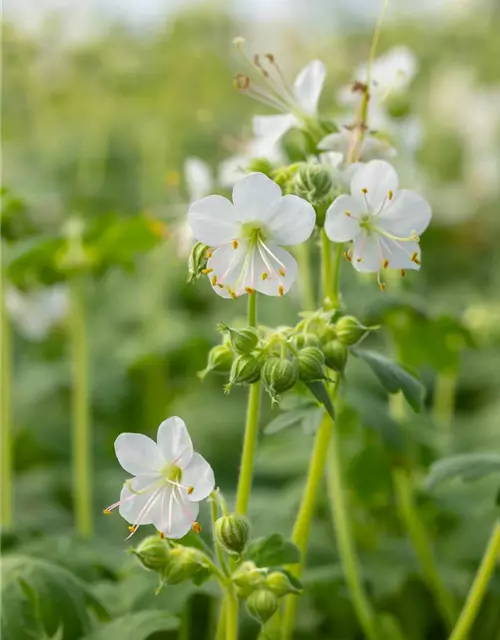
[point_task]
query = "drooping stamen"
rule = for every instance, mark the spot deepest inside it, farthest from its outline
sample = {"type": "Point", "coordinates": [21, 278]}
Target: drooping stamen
{"type": "Point", "coordinates": [414, 258]}
{"type": "Point", "coordinates": [348, 255]}
{"type": "Point", "coordinates": [281, 290]}
{"type": "Point", "coordinates": [385, 264]}
{"type": "Point", "coordinates": [133, 493]}
{"type": "Point", "coordinates": [143, 512]}
{"type": "Point", "coordinates": [196, 527]}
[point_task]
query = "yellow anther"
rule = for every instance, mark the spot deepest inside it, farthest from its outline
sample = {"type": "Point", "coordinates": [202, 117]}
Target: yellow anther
{"type": "Point", "coordinates": [415, 258]}
{"type": "Point", "coordinates": [190, 490]}
{"type": "Point", "coordinates": [390, 194]}
{"type": "Point", "coordinates": [359, 259]}
{"type": "Point", "coordinates": [235, 244]}
{"type": "Point", "coordinates": [403, 272]}
{"type": "Point", "coordinates": [214, 280]}
{"type": "Point", "coordinates": [208, 253]}
{"type": "Point", "coordinates": [233, 295]}
{"type": "Point", "coordinates": [132, 529]}
{"type": "Point", "coordinates": [249, 290]}
{"type": "Point", "coordinates": [348, 213]}
{"type": "Point", "coordinates": [282, 272]}
{"type": "Point", "coordinates": [221, 286]}
{"type": "Point", "coordinates": [347, 256]}
{"type": "Point", "coordinates": [264, 276]}
{"type": "Point", "coordinates": [364, 191]}
{"type": "Point", "coordinates": [385, 263]}
{"type": "Point", "coordinates": [381, 286]}
{"type": "Point", "coordinates": [281, 290]}
{"type": "Point", "coordinates": [205, 272]}
{"type": "Point", "coordinates": [162, 535]}
{"type": "Point", "coordinates": [107, 512]}
{"type": "Point", "coordinates": [196, 527]}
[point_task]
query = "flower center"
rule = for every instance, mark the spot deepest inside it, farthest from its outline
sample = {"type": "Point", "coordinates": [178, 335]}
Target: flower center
{"type": "Point", "coordinates": [253, 232]}
{"type": "Point", "coordinates": [171, 473]}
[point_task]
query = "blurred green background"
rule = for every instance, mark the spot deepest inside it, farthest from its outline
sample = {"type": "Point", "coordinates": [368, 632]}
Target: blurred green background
{"type": "Point", "coordinates": [98, 128]}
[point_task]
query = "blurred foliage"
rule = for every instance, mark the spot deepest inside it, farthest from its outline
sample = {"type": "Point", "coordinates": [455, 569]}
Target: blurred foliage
{"type": "Point", "coordinates": [99, 130]}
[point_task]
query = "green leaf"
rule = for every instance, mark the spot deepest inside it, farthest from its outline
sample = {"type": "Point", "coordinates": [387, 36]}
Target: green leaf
{"type": "Point", "coordinates": [272, 551]}
{"type": "Point", "coordinates": [394, 378]}
{"type": "Point", "coordinates": [307, 417]}
{"type": "Point", "coordinates": [39, 599]}
{"type": "Point", "coordinates": [320, 392]}
{"type": "Point", "coordinates": [136, 626]}
{"type": "Point", "coordinates": [466, 466]}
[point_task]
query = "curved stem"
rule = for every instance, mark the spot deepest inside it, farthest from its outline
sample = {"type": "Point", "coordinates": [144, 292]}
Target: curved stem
{"type": "Point", "coordinates": [6, 426]}
{"type": "Point", "coordinates": [479, 586]}
{"type": "Point", "coordinates": [82, 491]}
{"type": "Point", "coordinates": [423, 547]}
{"type": "Point", "coordinates": [345, 542]}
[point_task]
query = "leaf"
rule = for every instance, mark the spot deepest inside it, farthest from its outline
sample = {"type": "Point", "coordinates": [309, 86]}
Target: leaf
{"type": "Point", "coordinates": [40, 598]}
{"type": "Point", "coordinates": [320, 392]}
{"type": "Point", "coordinates": [136, 626]}
{"type": "Point", "coordinates": [466, 466]}
{"type": "Point", "coordinates": [305, 417]}
{"type": "Point", "coordinates": [272, 551]}
{"type": "Point", "coordinates": [394, 378]}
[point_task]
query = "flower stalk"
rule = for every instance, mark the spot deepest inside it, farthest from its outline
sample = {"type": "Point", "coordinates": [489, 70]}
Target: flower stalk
{"type": "Point", "coordinates": [6, 413]}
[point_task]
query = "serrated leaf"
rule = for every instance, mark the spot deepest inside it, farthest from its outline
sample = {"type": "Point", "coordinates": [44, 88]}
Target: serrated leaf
{"type": "Point", "coordinates": [394, 378]}
{"type": "Point", "coordinates": [272, 551]}
{"type": "Point", "coordinates": [466, 466]}
{"type": "Point", "coordinates": [136, 626]}
{"type": "Point", "coordinates": [320, 392]}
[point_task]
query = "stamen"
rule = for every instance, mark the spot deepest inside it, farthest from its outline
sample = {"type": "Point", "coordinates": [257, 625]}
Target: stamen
{"type": "Point", "coordinates": [107, 512]}
{"type": "Point", "coordinates": [233, 295]}
{"type": "Point", "coordinates": [214, 280]}
{"type": "Point", "coordinates": [385, 263]}
{"type": "Point", "coordinates": [364, 191]}
{"type": "Point", "coordinates": [235, 244]}
{"type": "Point", "coordinates": [381, 285]}
{"type": "Point", "coordinates": [221, 286]}
{"type": "Point", "coordinates": [390, 194]}
{"type": "Point", "coordinates": [281, 290]}
{"type": "Point", "coordinates": [249, 290]}
{"type": "Point", "coordinates": [403, 272]}
{"type": "Point", "coordinates": [360, 259]}
{"type": "Point", "coordinates": [205, 272]}
{"type": "Point", "coordinates": [162, 535]}
{"type": "Point", "coordinates": [132, 529]}
{"type": "Point", "coordinates": [190, 490]}
{"type": "Point", "coordinates": [348, 213]}
{"type": "Point", "coordinates": [282, 272]}
{"type": "Point", "coordinates": [347, 256]}
{"type": "Point", "coordinates": [208, 254]}
{"type": "Point", "coordinates": [264, 276]}
{"type": "Point", "coordinates": [414, 258]}
{"type": "Point", "coordinates": [196, 527]}
{"type": "Point", "coordinates": [241, 82]}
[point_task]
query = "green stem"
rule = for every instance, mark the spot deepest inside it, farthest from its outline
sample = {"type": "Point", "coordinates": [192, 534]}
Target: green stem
{"type": "Point", "coordinates": [252, 309]}
{"type": "Point", "coordinates": [334, 294]}
{"type": "Point", "coordinates": [220, 634]}
{"type": "Point", "coordinates": [306, 288]}
{"type": "Point", "coordinates": [6, 417]}
{"type": "Point", "coordinates": [345, 542]}
{"type": "Point", "coordinates": [422, 545]}
{"type": "Point", "coordinates": [81, 445]}
{"type": "Point", "coordinates": [326, 268]}
{"type": "Point", "coordinates": [444, 399]}
{"type": "Point", "coordinates": [231, 607]}
{"type": "Point", "coordinates": [479, 586]}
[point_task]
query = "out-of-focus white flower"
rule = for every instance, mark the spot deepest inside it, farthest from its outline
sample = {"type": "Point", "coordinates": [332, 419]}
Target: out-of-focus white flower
{"type": "Point", "coordinates": [347, 143]}
{"type": "Point", "coordinates": [169, 480]}
{"type": "Point", "coordinates": [36, 312]}
{"type": "Point", "coordinates": [235, 167]}
{"type": "Point", "coordinates": [383, 223]}
{"type": "Point", "coordinates": [247, 233]}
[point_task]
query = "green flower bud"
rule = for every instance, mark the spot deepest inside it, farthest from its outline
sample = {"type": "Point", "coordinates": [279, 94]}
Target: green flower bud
{"type": "Point", "coordinates": [248, 577]}
{"type": "Point", "coordinates": [311, 363]}
{"type": "Point", "coordinates": [302, 340]}
{"type": "Point", "coordinates": [280, 584]}
{"type": "Point", "coordinates": [335, 355]}
{"type": "Point", "coordinates": [242, 340]}
{"type": "Point", "coordinates": [245, 370]}
{"type": "Point", "coordinates": [328, 333]}
{"type": "Point", "coordinates": [153, 553]}
{"type": "Point", "coordinates": [279, 375]}
{"type": "Point", "coordinates": [313, 182]}
{"type": "Point", "coordinates": [284, 177]}
{"type": "Point", "coordinates": [183, 563]}
{"type": "Point", "coordinates": [197, 262]}
{"type": "Point", "coordinates": [350, 330]}
{"type": "Point", "coordinates": [233, 532]}
{"type": "Point", "coordinates": [260, 165]}
{"type": "Point", "coordinates": [220, 359]}
{"type": "Point", "coordinates": [262, 605]}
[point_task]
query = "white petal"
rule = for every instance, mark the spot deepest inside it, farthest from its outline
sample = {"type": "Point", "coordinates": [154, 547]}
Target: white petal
{"type": "Point", "coordinates": [290, 220]}
{"type": "Point", "coordinates": [198, 176]}
{"type": "Point", "coordinates": [331, 159]}
{"type": "Point", "coordinates": [199, 475]}
{"type": "Point", "coordinates": [138, 454]}
{"type": "Point", "coordinates": [407, 212]}
{"type": "Point", "coordinates": [138, 499]}
{"type": "Point", "coordinates": [308, 86]}
{"type": "Point", "coordinates": [232, 169]}
{"type": "Point", "coordinates": [378, 178]}
{"type": "Point", "coordinates": [399, 253]}
{"type": "Point", "coordinates": [253, 196]}
{"type": "Point", "coordinates": [271, 128]}
{"type": "Point", "coordinates": [174, 442]}
{"type": "Point", "coordinates": [175, 515]}
{"type": "Point", "coordinates": [212, 220]}
{"type": "Point", "coordinates": [271, 265]}
{"type": "Point", "coordinates": [228, 266]}
{"type": "Point", "coordinates": [336, 142]}
{"type": "Point", "coordinates": [374, 148]}
{"type": "Point", "coordinates": [366, 253]}
{"type": "Point", "coordinates": [340, 227]}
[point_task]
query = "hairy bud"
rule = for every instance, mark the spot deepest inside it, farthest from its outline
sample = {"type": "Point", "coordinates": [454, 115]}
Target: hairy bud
{"type": "Point", "coordinates": [280, 584]}
{"type": "Point", "coordinates": [233, 532]}
{"type": "Point", "coordinates": [279, 375]}
{"type": "Point", "coordinates": [153, 553]}
{"type": "Point", "coordinates": [220, 359]}
{"type": "Point", "coordinates": [183, 563]}
{"type": "Point", "coordinates": [335, 355]}
{"type": "Point", "coordinates": [262, 605]}
{"type": "Point", "coordinates": [313, 182]}
{"type": "Point", "coordinates": [197, 262]}
{"type": "Point", "coordinates": [242, 341]}
{"type": "Point", "coordinates": [245, 370]}
{"type": "Point", "coordinates": [311, 363]}
{"type": "Point", "coordinates": [284, 177]}
{"type": "Point", "coordinates": [350, 330]}
{"type": "Point", "coordinates": [248, 577]}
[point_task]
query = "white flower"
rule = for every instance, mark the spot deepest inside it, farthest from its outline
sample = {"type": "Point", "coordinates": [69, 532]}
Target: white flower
{"type": "Point", "coordinates": [298, 103]}
{"type": "Point", "coordinates": [169, 480]}
{"type": "Point", "coordinates": [347, 143]}
{"type": "Point", "coordinates": [383, 223]}
{"type": "Point", "coordinates": [234, 167]}
{"type": "Point", "coordinates": [36, 312]}
{"type": "Point", "coordinates": [247, 233]}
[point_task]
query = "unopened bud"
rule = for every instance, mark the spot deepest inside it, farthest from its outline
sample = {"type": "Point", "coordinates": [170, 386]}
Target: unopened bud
{"type": "Point", "coordinates": [279, 375]}
{"type": "Point", "coordinates": [233, 532]}
{"type": "Point", "coordinates": [313, 182]}
{"type": "Point", "coordinates": [335, 355]}
{"type": "Point", "coordinates": [284, 177]}
{"type": "Point", "coordinates": [260, 165]}
{"type": "Point", "coordinates": [302, 340]}
{"type": "Point", "coordinates": [241, 340]}
{"type": "Point", "coordinates": [280, 584]}
{"type": "Point", "coordinates": [153, 553]}
{"type": "Point", "coordinates": [311, 363]}
{"type": "Point", "coordinates": [197, 263]}
{"type": "Point", "coordinates": [245, 370]}
{"type": "Point", "coordinates": [262, 605]}
{"type": "Point", "coordinates": [350, 330]}
{"type": "Point", "coordinates": [248, 577]}
{"type": "Point", "coordinates": [220, 359]}
{"type": "Point", "coordinates": [183, 563]}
